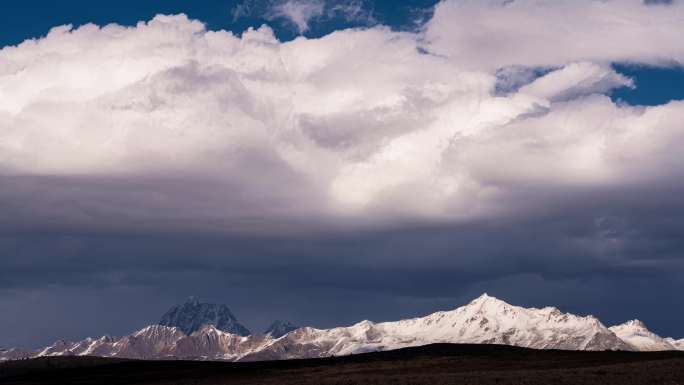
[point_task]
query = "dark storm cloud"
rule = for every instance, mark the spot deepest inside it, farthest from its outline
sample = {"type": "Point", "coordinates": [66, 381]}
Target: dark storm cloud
{"type": "Point", "coordinates": [609, 240]}
{"type": "Point", "coordinates": [589, 232]}
{"type": "Point", "coordinates": [658, 2]}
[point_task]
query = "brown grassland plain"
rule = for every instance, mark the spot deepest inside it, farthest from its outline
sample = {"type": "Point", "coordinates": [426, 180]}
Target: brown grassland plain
{"type": "Point", "coordinates": [432, 364]}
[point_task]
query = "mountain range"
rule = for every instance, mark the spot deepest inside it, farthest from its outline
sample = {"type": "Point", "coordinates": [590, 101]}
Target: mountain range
{"type": "Point", "coordinates": [201, 331]}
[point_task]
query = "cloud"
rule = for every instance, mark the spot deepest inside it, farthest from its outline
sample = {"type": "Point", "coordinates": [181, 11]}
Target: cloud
{"type": "Point", "coordinates": [347, 128]}
{"type": "Point", "coordinates": [576, 80]}
{"type": "Point", "coordinates": [658, 2]}
{"type": "Point", "coordinates": [497, 33]}
{"type": "Point", "coordinates": [300, 14]}
{"type": "Point", "coordinates": [352, 11]}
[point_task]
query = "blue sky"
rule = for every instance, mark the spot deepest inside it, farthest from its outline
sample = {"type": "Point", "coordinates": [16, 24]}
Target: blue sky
{"type": "Point", "coordinates": [369, 170]}
{"type": "Point", "coordinates": [654, 85]}
{"type": "Point", "coordinates": [24, 19]}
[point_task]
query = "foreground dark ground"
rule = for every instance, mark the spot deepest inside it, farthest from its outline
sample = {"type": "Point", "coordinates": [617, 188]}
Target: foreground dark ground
{"type": "Point", "coordinates": [432, 364]}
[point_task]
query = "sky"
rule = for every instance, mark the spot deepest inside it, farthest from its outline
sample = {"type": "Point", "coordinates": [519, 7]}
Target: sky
{"type": "Point", "coordinates": [326, 162]}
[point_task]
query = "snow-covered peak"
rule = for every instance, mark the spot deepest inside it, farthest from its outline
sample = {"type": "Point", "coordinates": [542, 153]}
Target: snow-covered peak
{"type": "Point", "coordinates": [495, 307]}
{"type": "Point", "coordinates": [487, 304]}
{"type": "Point", "coordinates": [633, 324]}
{"type": "Point", "coordinates": [193, 315]}
{"type": "Point", "coordinates": [211, 331]}
{"type": "Point", "coordinates": [491, 309]}
{"type": "Point", "coordinates": [678, 344]}
{"type": "Point", "coordinates": [279, 328]}
{"type": "Point", "coordinates": [534, 326]}
{"type": "Point", "coordinates": [635, 333]}
{"type": "Point", "coordinates": [484, 320]}
{"type": "Point", "coordinates": [208, 329]}
{"type": "Point", "coordinates": [482, 299]}
{"type": "Point", "coordinates": [60, 347]}
{"type": "Point", "coordinates": [155, 331]}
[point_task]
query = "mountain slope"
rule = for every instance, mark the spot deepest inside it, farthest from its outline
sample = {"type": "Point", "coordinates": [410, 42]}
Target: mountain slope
{"type": "Point", "coordinates": [280, 328]}
{"type": "Point", "coordinates": [678, 344]}
{"type": "Point", "coordinates": [15, 354]}
{"type": "Point", "coordinates": [635, 333]}
{"type": "Point", "coordinates": [193, 315]}
{"type": "Point", "coordinates": [485, 320]}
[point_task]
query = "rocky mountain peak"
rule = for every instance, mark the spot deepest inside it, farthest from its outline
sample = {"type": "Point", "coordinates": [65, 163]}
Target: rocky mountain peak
{"type": "Point", "coordinates": [193, 315]}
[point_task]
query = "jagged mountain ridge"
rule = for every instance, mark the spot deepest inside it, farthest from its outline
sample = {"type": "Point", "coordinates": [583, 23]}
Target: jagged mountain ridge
{"type": "Point", "coordinates": [279, 328]}
{"type": "Point", "coordinates": [193, 315]}
{"type": "Point", "coordinates": [483, 320]}
{"type": "Point", "coordinates": [678, 344]}
{"type": "Point", "coordinates": [15, 354]}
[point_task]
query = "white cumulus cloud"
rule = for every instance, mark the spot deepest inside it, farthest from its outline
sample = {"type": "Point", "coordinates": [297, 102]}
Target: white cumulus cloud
{"type": "Point", "coordinates": [487, 34]}
{"type": "Point", "coordinates": [167, 122]}
{"type": "Point", "coordinates": [299, 12]}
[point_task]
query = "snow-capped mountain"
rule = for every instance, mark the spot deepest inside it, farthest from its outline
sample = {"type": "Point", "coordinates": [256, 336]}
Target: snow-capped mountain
{"type": "Point", "coordinates": [678, 344]}
{"type": "Point", "coordinates": [15, 354]}
{"type": "Point", "coordinates": [160, 342]}
{"type": "Point", "coordinates": [279, 328]}
{"type": "Point", "coordinates": [193, 315]}
{"type": "Point", "coordinates": [635, 333]}
{"type": "Point", "coordinates": [86, 347]}
{"type": "Point", "coordinates": [485, 320]}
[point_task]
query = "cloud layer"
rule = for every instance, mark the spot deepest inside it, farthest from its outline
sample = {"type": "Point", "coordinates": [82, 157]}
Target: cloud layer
{"type": "Point", "coordinates": [358, 124]}
{"type": "Point", "coordinates": [496, 33]}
